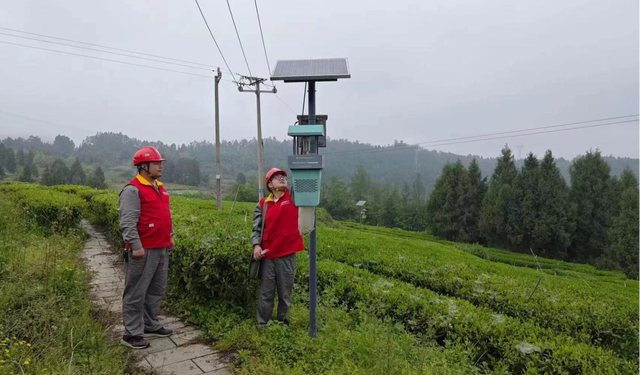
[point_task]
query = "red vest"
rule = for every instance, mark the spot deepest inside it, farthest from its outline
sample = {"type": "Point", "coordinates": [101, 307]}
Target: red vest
{"type": "Point", "coordinates": [154, 225]}
{"type": "Point", "coordinates": [281, 235]}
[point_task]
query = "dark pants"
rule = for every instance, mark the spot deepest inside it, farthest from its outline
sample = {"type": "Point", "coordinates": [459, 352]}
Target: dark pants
{"type": "Point", "coordinates": [276, 274]}
{"type": "Point", "coordinates": [145, 287]}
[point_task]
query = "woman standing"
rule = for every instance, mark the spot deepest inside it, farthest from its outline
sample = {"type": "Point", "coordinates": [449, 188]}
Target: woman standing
{"type": "Point", "coordinates": [276, 248]}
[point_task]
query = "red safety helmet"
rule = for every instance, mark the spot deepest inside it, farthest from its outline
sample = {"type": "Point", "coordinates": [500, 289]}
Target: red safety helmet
{"type": "Point", "coordinates": [270, 174]}
{"type": "Point", "coordinates": [147, 154]}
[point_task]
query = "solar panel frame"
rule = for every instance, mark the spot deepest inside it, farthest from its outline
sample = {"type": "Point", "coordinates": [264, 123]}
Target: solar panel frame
{"type": "Point", "coordinates": [311, 70]}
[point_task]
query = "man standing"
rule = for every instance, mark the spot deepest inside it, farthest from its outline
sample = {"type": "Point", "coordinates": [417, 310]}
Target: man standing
{"type": "Point", "coordinates": [145, 222]}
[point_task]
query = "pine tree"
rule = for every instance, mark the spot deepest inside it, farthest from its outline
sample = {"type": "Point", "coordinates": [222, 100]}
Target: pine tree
{"type": "Point", "coordinates": [477, 190]}
{"type": "Point", "coordinates": [551, 234]}
{"type": "Point", "coordinates": [76, 174]}
{"type": "Point", "coordinates": [592, 193]}
{"type": "Point", "coordinates": [390, 216]}
{"type": "Point", "coordinates": [498, 204]}
{"type": "Point", "coordinates": [26, 175]}
{"type": "Point", "coordinates": [59, 173]}
{"type": "Point", "coordinates": [46, 177]}
{"type": "Point", "coordinates": [360, 185]}
{"type": "Point", "coordinates": [8, 159]}
{"type": "Point", "coordinates": [628, 179]}
{"type": "Point", "coordinates": [337, 200]}
{"type": "Point", "coordinates": [20, 157]}
{"type": "Point", "coordinates": [97, 179]}
{"type": "Point", "coordinates": [623, 234]}
{"type": "Point", "coordinates": [526, 212]}
{"type": "Point", "coordinates": [446, 208]}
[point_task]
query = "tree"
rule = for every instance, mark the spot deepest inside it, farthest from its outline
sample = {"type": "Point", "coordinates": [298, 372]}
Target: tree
{"type": "Point", "coordinates": [26, 175]}
{"type": "Point", "coordinates": [58, 174]}
{"type": "Point", "coordinates": [7, 159]}
{"type": "Point", "coordinates": [20, 157]}
{"type": "Point", "coordinates": [360, 185]}
{"type": "Point", "coordinates": [97, 180]}
{"type": "Point", "coordinates": [552, 231]}
{"type": "Point", "coordinates": [477, 190]}
{"type": "Point", "coordinates": [337, 200]}
{"type": "Point", "coordinates": [63, 145]}
{"type": "Point", "coordinates": [628, 179]}
{"type": "Point", "coordinates": [76, 174]}
{"type": "Point", "coordinates": [624, 233]}
{"type": "Point", "coordinates": [498, 204]}
{"type": "Point", "coordinates": [390, 216]}
{"type": "Point", "coordinates": [592, 191]}
{"type": "Point", "coordinates": [241, 178]}
{"type": "Point", "coordinates": [446, 208]}
{"type": "Point", "coordinates": [526, 213]}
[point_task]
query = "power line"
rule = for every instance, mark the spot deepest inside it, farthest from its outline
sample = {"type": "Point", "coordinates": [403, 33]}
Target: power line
{"type": "Point", "coordinates": [521, 130]}
{"type": "Point", "coordinates": [113, 48]}
{"type": "Point", "coordinates": [433, 143]}
{"type": "Point", "coordinates": [214, 40]}
{"type": "Point", "coordinates": [238, 35]}
{"type": "Point", "coordinates": [104, 59]}
{"type": "Point", "coordinates": [262, 36]}
{"type": "Point", "coordinates": [380, 150]}
{"type": "Point", "coordinates": [113, 53]}
{"type": "Point", "coordinates": [283, 102]}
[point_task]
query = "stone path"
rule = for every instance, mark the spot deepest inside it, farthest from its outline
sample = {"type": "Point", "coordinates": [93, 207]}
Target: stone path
{"type": "Point", "coordinates": [179, 354]}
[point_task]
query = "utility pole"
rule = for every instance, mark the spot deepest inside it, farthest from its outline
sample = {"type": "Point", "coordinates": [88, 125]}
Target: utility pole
{"type": "Point", "coordinates": [241, 87]}
{"type": "Point", "coordinates": [218, 77]}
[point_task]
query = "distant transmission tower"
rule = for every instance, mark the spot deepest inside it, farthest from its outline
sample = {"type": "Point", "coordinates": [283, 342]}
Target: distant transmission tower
{"type": "Point", "coordinates": [520, 152]}
{"type": "Point", "coordinates": [416, 162]}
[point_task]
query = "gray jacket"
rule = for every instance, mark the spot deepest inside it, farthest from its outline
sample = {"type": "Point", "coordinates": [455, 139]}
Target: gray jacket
{"type": "Point", "coordinates": [129, 208]}
{"type": "Point", "coordinates": [256, 237]}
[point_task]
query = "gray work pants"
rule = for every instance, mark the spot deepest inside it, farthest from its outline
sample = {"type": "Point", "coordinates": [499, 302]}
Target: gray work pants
{"type": "Point", "coordinates": [145, 286]}
{"type": "Point", "coordinates": [275, 274]}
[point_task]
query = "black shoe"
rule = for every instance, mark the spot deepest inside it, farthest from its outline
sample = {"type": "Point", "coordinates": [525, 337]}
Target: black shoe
{"type": "Point", "coordinates": [162, 332]}
{"type": "Point", "coordinates": [134, 342]}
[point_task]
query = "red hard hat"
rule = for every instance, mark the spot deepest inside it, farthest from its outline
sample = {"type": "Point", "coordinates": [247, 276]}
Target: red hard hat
{"type": "Point", "coordinates": [270, 174]}
{"type": "Point", "coordinates": [147, 154]}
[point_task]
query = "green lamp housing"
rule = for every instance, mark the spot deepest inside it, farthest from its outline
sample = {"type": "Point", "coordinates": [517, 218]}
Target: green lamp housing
{"type": "Point", "coordinates": [306, 168]}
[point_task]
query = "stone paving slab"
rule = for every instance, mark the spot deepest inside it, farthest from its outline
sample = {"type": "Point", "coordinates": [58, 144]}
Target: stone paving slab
{"type": "Point", "coordinates": [177, 354]}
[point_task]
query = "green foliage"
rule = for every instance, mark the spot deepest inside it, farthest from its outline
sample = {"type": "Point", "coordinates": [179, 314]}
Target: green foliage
{"type": "Point", "coordinates": [55, 210]}
{"type": "Point", "coordinates": [624, 234]}
{"type": "Point", "coordinates": [97, 180]}
{"type": "Point", "coordinates": [7, 159]}
{"type": "Point", "coordinates": [45, 314]}
{"type": "Point", "coordinates": [592, 194]}
{"type": "Point", "coordinates": [76, 174]}
{"type": "Point", "coordinates": [246, 192]}
{"type": "Point", "coordinates": [601, 316]}
{"type": "Point", "coordinates": [448, 204]}
{"type": "Point", "coordinates": [499, 203]}
{"type": "Point", "coordinates": [56, 174]}
{"type": "Point", "coordinates": [337, 199]}
{"type": "Point", "coordinates": [63, 145]}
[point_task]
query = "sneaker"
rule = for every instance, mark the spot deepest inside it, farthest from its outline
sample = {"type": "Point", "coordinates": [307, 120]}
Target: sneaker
{"type": "Point", "coordinates": [162, 332]}
{"type": "Point", "coordinates": [134, 342]}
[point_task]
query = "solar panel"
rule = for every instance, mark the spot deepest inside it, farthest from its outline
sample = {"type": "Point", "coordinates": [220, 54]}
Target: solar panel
{"type": "Point", "coordinates": [311, 70]}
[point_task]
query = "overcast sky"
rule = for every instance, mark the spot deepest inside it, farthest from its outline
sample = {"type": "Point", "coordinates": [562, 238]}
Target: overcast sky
{"type": "Point", "coordinates": [421, 70]}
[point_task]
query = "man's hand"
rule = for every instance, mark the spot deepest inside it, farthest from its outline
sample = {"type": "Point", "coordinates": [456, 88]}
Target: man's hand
{"type": "Point", "coordinates": [172, 245]}
{"type": "Point", "coordinates": [137, 254]}
{"type": "Point", "coordinates": [257, 252]}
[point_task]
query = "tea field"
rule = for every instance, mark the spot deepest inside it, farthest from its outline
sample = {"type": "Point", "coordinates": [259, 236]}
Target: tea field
{"type": "Point", "coordinates": [391, 302]}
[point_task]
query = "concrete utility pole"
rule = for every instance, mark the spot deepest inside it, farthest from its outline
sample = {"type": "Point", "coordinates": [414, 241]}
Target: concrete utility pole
{"type": "Point", "coordinates": [218, 167]}
{"type": "Point", "coordinates": [241, 87]}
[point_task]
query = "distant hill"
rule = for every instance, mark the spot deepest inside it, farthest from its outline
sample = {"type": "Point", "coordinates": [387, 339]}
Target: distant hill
{"type": "Point", "coordinates": [394, 164]}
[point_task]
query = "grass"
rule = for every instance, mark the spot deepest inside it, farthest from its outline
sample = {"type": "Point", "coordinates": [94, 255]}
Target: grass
{"type": "Point", "coordinates": [47, 325]}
